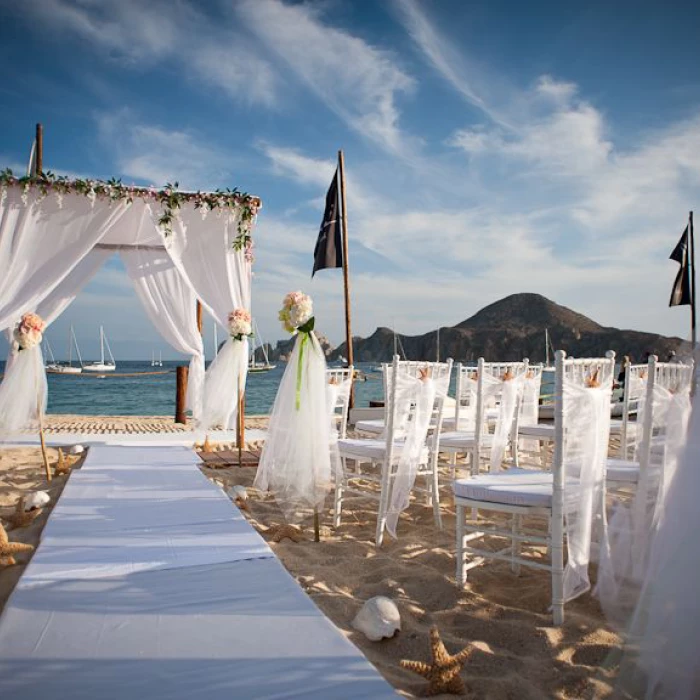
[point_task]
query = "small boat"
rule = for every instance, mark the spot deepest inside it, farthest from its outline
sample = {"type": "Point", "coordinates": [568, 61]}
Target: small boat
{"type": "Point", "coordinates": [159, 361]}
{"type": "Point", "coordinates": [102, 366]}
{"type": "Point", "coordinates": [55, 367]}
{"type": "Point", "coordinates": [547, 345]}
{"type": "Point", "coordinates": [253, 366]}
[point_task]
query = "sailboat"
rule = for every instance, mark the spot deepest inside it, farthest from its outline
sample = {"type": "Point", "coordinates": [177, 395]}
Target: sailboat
{"type": "Point", "coordinates": [159, 361]}
{"type": "Point", "coordinates": [55, 367]}
{"type": "Point", "coordinates": [253, 366]}
{"type": "Point", "coordinates": [102, 366]}
{"type": "Point", "coordinates": [547, 345]}
{"type": "Point", "coordinates": [398, 347]}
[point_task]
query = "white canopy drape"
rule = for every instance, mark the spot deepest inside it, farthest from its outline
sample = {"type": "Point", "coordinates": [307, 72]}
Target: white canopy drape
{"type": "Point", "coordinates": [221, 278]}
{"type": "Point", "coordinates": [170, 304]}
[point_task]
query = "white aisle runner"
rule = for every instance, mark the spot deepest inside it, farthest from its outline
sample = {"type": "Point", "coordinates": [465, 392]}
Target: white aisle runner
{"type": "Point", "coordinates": [149, 583]}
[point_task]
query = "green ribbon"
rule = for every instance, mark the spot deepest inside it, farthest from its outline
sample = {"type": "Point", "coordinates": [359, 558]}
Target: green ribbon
{"type": "Point", "coordinates": [304, 340]}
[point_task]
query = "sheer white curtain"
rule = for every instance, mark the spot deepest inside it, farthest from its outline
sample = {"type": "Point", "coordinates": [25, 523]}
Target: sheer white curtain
{"type": "Point", "coordinates": [295, 463]}
{"type": "Point", "coordinates": [202, 250]}
{"type": "Point", "coordinates": [42, 242]}
{"type": "Point", "coordinates": [170, 304]}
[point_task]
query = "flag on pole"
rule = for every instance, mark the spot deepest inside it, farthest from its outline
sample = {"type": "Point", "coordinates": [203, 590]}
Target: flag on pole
{"type": "Point", "coordinates": [329, 246]}
{"type": "Point", "coordinates": [681, 295]}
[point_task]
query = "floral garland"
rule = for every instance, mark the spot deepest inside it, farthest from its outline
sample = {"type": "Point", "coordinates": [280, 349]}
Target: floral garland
{"type": "Point", "coordinates": [29, 332]}
{"type": "Point", "coordinates": [240, 324]}
{"type": "Point", "coordinates": [297, 316]}
{"type": "Point", "coordinates": [170, 198]}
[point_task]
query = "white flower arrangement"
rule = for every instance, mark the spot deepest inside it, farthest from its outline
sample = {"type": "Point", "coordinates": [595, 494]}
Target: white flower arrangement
{"type": "Point", "coordinates": [297, 313]}
{"type": "Point", "coordinates": [240, 324]}
{"type": "Point", "coordinates": [29, 331]}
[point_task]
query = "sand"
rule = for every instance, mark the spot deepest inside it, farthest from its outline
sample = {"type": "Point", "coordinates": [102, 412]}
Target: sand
{"type": "Point", "coordinates": [502, 618]}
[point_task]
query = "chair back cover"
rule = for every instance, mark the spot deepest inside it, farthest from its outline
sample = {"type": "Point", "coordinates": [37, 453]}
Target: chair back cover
{"type": "Point", "coordinates": [582, 431]}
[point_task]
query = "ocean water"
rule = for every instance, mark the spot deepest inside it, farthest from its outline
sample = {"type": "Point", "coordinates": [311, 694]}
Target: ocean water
{"type": "Point", "coordinates": [154, 394]}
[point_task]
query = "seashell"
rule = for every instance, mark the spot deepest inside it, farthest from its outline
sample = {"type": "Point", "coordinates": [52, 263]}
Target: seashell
{"type": "Point", "coordinates": [237, 492]}
{"type": "Point", "coordinates": [76, 450]}
{"type": "Point", "coordinates": [37, 499]}
{"type": "Point", "coordinates": [378, 618]}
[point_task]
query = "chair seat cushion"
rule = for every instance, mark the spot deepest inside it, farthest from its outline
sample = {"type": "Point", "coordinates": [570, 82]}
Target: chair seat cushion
{"type": "Point", "coordinates": [623, 470]}
{"type": "Point", "coordinates": [544, 431]}
{"type": "Point", "coordinates": [375, 426]}
{"type": "Point", "coordinates": [462, 440]}
{"type": "Point", "coordinates": [516, 487]}
{"type": "Point", "coordinates": [369, 449]}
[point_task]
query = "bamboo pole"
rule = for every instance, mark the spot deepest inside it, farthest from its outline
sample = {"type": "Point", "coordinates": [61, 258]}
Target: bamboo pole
{"type": "Point", "coordinates": [39, 153]}
{"type": "Point", "coordinates": [181, 394]}
{"type": "Point", "coordinates": [346, 271]}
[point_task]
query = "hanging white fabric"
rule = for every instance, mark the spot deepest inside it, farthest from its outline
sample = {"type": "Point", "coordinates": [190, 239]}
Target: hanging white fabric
{"type": "Point", "coordinates": [587, 417]}
{"type": "Point", "coordinates": [295, 464]}
{"type": "Point", "coordinates": [530, 405]}
{"type": "Point", "coordinates": [220, 277]}
{"type": "Point", "coordinates": [414, 400]}
{"type": "Point", "coordinates": [509, 391]}
{"type": "Point", "coordinates": [337, 396]}
{"type": "Point", "coordinates": [170, 304]}
{"type": "Point", "coordinates": [664, 636]}
{"type": "Point", "coordinates": [41, 240]}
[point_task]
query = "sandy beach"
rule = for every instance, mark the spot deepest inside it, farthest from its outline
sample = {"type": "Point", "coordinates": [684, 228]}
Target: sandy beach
{"type": "Point", "coordinates": [502, 618]}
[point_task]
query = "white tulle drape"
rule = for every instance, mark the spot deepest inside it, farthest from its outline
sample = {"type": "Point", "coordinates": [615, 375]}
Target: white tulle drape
{"type": "Point", "coordinates": [661, 659]}
{"type": "Point", "coordinates": [295, 464]}
{"type": "Point", "coordinates": [587, 417]}
{"type": "Point", "coordinates": [530, 405]}
{"type": "Point", "coordinates": [170, 304]}
{"type": "Point", "coordinates": [414, 401]}
{"type": "Point", "coordinates": [202, 250]}
{"type": "Point", "coordinates": [23, 392]}
{"type": "Point", "coordinates": [508, 392]}
{"type": "Point", "coordinates": [632, 526]}
{"type": "Point", "coordinates": [337, 396]}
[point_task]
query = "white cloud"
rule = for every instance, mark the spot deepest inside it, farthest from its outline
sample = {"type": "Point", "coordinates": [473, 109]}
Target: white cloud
{"type": "Point", "coordinates": [141, 35]}
{"type": "Point", "coordinates": [358, 81]}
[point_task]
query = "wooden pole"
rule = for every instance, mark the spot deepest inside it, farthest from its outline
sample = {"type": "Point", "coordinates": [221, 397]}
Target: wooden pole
{"type": "Point", "coordinates": [346, 271]}
{"type": "Point", "coordinates": [693, 318]}
{"type": "Point", "coordinates": [39, 153]}
{"type": "Point", "coordinates": [181, 394]}
{"type": "Point", "coordinates": [200, 320]}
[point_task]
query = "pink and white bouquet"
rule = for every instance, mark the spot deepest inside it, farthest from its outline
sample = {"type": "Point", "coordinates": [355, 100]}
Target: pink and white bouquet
{"type": "Point", "coordinates": [297, 313]}
{"type": "Point", "coordinates": [29, 331]}
{"type": "Point", "coordinates": [239, 324]}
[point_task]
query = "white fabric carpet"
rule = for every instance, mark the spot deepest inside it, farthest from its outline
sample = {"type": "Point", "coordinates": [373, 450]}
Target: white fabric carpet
{"type": "Point", "coordinates": [150, 583]}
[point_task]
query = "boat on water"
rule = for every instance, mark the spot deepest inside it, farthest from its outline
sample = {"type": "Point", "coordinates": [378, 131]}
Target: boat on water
{"type": "Point", "coordinates": [159, 361]}
{"type": "Point", "coordinates": [102, 366]}
{"type": "Point", "coordinates": [253, 366]}
{"type": "Point", "coordinates": [55, 367]}
{"type": "Point", "coordinates": [548, 366]}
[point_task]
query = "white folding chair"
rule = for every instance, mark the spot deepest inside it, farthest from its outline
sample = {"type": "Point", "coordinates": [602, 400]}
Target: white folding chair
{"type": "Point", "coordinates": [475, 397]}
{"type": "Point", "coordinates": [339, 390]}
{"type": "Point", "coordinates": [623, 427]}
{"type": "Point", "coordinates": [521, 492]}
{"type": "Point", "coordinates": [376, 459]}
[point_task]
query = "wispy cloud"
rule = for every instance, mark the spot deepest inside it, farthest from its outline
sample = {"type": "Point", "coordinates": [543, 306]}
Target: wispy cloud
{"type": "Point", "coordinates": [358, 81]}
{"type": "Point", "coordinates": [141, 35]}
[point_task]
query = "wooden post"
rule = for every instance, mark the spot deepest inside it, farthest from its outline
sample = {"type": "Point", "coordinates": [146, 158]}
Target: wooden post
{"type": "Point", "coordinates": [39, 153]}
{"type": "Point", "coordinates": [200, 320]}
{"type": "Point", "coordinates": [346, 271]}
{"type": "Point", "coordinates": [181, 394]}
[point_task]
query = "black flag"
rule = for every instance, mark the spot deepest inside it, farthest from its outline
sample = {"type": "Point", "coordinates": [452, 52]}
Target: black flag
{"type": "Point", "coordinates": [329, 246]}
{"type": "Point", "coordinates": [681, 296]}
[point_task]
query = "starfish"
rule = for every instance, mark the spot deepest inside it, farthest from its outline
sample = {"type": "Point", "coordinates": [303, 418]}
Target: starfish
{"type": "Point", "coordinates": [22, 518]}
{"type": "Point", "coordinates": [443, 671]}
{"type": "Point", "coordinates": [242, 503]}
{"type": "Point", "coordinates": [7, 548]}
{"type": "Point", "coordinates": [507, 375]}
{"type": "Point", "coordinates": [592, 381]}
{"type": "Point", "coordinates": [279, 532]}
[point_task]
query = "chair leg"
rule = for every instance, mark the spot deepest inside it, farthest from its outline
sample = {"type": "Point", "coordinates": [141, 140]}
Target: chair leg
{"type": "Point", "coordinates": [461, 563]}
{"type": "Point", "coordinates": [338, 502]}
{"type": "Point", "coordinates": [557, 544]}
{"type": "Point", "coordinates": [515, 545]}
{"type": "Point", "coordinates": [383, 505]}
{"type": "Point", "coordinates": [435, 491]}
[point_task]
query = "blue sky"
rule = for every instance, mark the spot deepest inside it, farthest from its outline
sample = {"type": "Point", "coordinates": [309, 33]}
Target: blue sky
{"type": "Point", "coordinates": [491, 148]}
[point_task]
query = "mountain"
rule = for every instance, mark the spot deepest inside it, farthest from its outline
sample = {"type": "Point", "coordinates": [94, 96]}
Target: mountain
{"type": "Point", "coordinates": [511, 329]}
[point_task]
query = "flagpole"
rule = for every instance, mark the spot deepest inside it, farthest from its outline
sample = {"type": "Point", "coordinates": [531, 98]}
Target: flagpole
{"type": "Point", "coordinates": [346, 270]}
{"type": "Point", "coordinates": [693, 323]}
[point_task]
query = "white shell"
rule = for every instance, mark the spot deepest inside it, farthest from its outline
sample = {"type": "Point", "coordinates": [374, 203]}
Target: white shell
{"type": "Point", "coordinates": [38, 499]}
{"type": "Point", "coordinates": [378, 618]}
{"type": "Point", "coordinates": [237, 492]}
{"type": "Point", "coordinates": [76, 450]}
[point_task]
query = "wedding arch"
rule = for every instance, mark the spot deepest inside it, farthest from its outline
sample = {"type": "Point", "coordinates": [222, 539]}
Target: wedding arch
{"type": "Point", "coordinates": [177, 247]}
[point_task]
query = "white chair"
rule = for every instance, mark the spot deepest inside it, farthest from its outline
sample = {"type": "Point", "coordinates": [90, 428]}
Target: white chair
{"type": "Point", "coordinates": [377, 459]}
{"type": "Point", "coordinates": [474, 398]}
{"type": "Point", "coordinates": [339, 390]}
{"type": "Point", "coordinates": [528, 417]}
{"type": "Point", "coordinates": [634, 390]}
{"type": "Point", "coordinates": [577, 479]}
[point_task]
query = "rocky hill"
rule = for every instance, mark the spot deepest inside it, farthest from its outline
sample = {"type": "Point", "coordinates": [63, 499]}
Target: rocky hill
{"type": "Point", "coordinates": [511, 329]}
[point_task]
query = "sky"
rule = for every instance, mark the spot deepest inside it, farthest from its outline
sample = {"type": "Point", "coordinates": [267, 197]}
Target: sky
{"type": "Point", "coordinates": [490, 147]}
